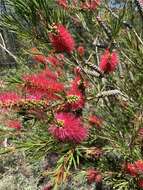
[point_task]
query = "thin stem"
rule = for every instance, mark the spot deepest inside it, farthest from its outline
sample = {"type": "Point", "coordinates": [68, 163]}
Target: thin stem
{"type": "Point", "coordinates": [138, 36]}
{"type": "Point", "coordinates": [6, 50]}
{"type": "Point", "coordinates": [2, 41]}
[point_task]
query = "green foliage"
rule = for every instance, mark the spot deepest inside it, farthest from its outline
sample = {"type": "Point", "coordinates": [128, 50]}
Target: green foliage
{"type": "Point", "coordinates": [31, 20]}
{"type": "Point", "coordinates": [117, 97]}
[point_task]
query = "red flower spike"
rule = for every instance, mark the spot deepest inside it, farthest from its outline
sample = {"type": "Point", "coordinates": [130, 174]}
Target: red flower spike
{"type": "Point", "coordinates": [15, 124]}
{"type": "Point", "coordinates": [109, 62]}
{"type": "Point", "coordinates": [37, 94]}
{"type": "Point", "coordinates": [47, 73]}
{"type": "Point", "coordinates": [53, 60]}
{"type": "Point", "coordinates": [75, 99]}
{"type": "Point", "coordinates": [98, 178]}
{"type": "Point", "coordinates": [93, 176]}
{"type": "Point", "coordinates": [90, 4]}
{"type": "Point", "coordinates": [81, 51]}
{"type": "Point", "coordinates": [140, 183]}
{"type": "Point", "coordinates": [139, 166]}
{"type": "Point", "coordinates": [9, 98]}
{"type": "Point", "coordinates": [43, 83]}
{"type": "Point", "coordinates": [56, 60]}
{"type": "Point", "coordinates": [62, 3]}
{"type": "Point", "coordinates": [77, 83]}
{"type": "Point", "coordinates": [135, 169]}
{"type": "Point", "coordinates": [95, 120]}
{"type": "Point", "coordinates": [131, 169]}
{"type": "Point", "coordinates": [62, 40]}
{"type": "Point", "coordinates": [40, 58]}
{"type": "Point", "coordinates": [68, 128]}
{"type": "Point", "coordinates": [32, 94]}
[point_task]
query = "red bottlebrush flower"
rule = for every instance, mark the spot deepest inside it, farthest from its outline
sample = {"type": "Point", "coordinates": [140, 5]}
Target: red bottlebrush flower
{"type": "Point", "coordinates": [57, 60]}
{"type": "Point", "coordinates": [90, 4]}
{"type": "Point", "coordinates": [95, 120]}
{"type": "Point", "coordinates": [76, 82]}
{"type": "Point", "coordinates": [48, 74]}
{"type": "Point", "coordinates": [34, 95]}
{"type": "Point", "coordinates": [62, 3]}
{"type": "Point", "coordinates": [93, 176]}
{"type": "Point", "coordinates": [53, 60]}
{"type": "Point", "coordinates": [68, 128]}
{"type": "Point", "coordinates": [40, 58]}
{"type": "Point", "coordinates": [75, 99]}
{"type": "Point", "coordinates": [43, 83]}
{"type": "Point", "coordinates": [62, 40]}
{"type": "Point", "coordinates": [108, 62]}
{"type": "Point", "coordinates": [81, 51]}
{"type": "Point", "coordinates": [79, 84]}
{"type": "Point", "coordinates": [15, 124]}
{"type": "Point", "coordinates": [9, 98]}
{"type": "Point", "coordinates": [131, 169]}
{"type": "Point", "coordinates": [135, 169]}
{"type": "Point", "coordinates": [140, 183]}
{"type": "Point", "coordinates": [139, 166]}
{"type": "Point", "coordinates": [98, 178]}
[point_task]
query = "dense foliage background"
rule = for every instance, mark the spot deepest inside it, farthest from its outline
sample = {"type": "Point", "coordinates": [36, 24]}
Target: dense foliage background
{"type": "Point", "coordinates": [93, 71]}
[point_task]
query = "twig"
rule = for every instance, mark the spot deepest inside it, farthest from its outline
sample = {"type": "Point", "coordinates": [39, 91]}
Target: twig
{"type": "Point", "coordinates": [108, 93]}
{"type": "Point", "coordinates": [6, 50]}
{"type": "Point", "coordinates": [138, 36]}
{"type": "Point", "coordinates": [2, 41]}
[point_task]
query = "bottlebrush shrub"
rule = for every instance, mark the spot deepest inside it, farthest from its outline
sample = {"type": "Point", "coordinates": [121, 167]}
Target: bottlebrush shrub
{"type": "Point", "coordinates": [136, 171]}
{"type": "Point", "coordinates": [61, 39]}
{"type": "Point", "coordinates": [16, 124]}
{"type": "Point", "coordinates": [108, 62]}
{"type": "Point", "coordinates": [68, 128]}
{"type": "Point", "coordinates": [79, 108]}
{"type": "Point", "coordinates": [81, 51]}
{"type": "Point", "coordinates": [93, 176]}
